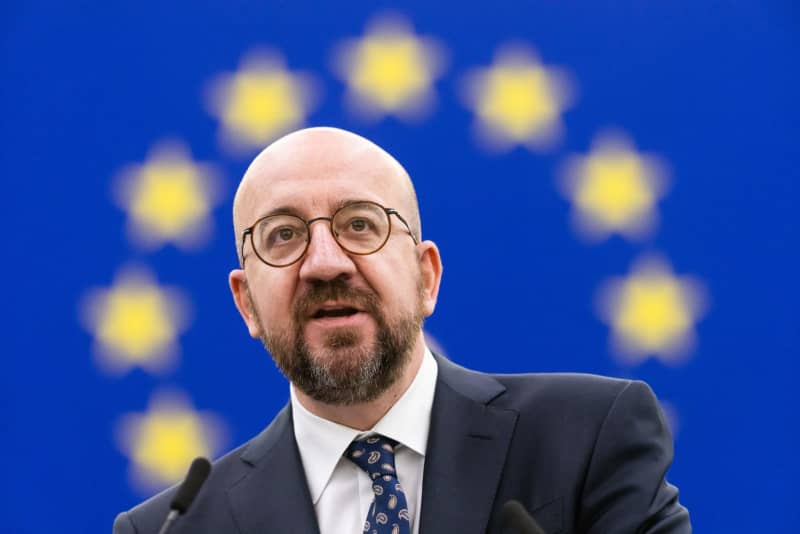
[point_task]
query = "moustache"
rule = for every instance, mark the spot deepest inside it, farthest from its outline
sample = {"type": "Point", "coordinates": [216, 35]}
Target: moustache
{"type": "Point", "coordinates": [334, 290]}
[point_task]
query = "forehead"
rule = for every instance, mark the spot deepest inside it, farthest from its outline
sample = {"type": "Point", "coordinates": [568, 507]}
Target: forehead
{"type": "Point", "coordinates": [313, 179]}
{"type": "Point", "coordinates": [320, 195]}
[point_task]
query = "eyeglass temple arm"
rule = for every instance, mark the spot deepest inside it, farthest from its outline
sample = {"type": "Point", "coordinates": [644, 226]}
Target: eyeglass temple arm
{"type": "Point", "coordinates": [392, 211]}
{"type": "Point", "coordinates": [244, 238]}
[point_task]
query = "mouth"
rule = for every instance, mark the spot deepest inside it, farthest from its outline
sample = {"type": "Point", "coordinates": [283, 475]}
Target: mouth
{"type": "Point", "coordinates": [335, 310]}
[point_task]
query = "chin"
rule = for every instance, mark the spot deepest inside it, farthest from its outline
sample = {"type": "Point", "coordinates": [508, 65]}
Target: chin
{"type": "Point", "coordinates": [338, 338]}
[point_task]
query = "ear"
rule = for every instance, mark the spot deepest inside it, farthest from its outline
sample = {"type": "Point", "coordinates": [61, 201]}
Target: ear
{"type": "Point", "coordinates": [430, 264]}
{"type": "Point", "coordinates": [238, 283]}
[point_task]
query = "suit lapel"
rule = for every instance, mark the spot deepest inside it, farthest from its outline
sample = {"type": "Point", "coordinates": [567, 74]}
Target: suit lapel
{"type": "Point", "coordinates": [273, 497]}
{"type": "Point", "coordinates": [466, 452]}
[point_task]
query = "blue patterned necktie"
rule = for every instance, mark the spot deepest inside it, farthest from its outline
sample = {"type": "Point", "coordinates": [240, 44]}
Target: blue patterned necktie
{"type": "Point", "coordinates": [389, 511]}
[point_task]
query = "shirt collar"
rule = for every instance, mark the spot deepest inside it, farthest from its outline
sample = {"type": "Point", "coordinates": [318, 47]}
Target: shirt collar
{"type": "Point", "coordinates": [321, 442]}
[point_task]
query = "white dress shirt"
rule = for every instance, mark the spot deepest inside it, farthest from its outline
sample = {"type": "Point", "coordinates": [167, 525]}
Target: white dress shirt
{"type": "Point", "coordinates": [340, 490]}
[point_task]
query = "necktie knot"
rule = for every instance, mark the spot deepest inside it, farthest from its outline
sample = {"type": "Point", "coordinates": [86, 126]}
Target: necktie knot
{"type": "Point", "coordinates": [375, 455]}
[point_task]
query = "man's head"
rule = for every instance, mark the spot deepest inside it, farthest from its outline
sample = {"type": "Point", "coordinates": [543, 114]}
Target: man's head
{"type": "Point", "coordinates": [341, 326]}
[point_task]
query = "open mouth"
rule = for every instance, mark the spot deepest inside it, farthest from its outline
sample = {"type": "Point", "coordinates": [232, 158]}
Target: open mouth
{"type": "Point", "coordinates": [344, 311]}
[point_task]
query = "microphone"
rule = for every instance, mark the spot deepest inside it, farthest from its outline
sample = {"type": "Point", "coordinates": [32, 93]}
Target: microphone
{"type": "Point", "coordinates": [188, 490]}
{"type": "Point", "coordinates": [519, 520]}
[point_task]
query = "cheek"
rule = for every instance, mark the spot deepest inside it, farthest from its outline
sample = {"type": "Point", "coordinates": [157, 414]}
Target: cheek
{"type": "Point", "coordinates": [272, 295]}
{"type": "Point", "coordinates": [397, 285]}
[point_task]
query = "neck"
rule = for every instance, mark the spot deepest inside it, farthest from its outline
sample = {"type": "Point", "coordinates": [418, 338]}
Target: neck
{"type": "Point", "coordinates": [365, 415]}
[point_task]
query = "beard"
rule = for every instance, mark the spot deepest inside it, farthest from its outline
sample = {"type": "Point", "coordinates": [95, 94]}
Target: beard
{"type": "Point", "coordinates": [346, 370]}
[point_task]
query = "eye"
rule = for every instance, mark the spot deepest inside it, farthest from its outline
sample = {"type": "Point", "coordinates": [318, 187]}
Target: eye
{"type": "Point", "coordinates": [284, 234]}
{"type": "Point", "coordinates": [359, 225]}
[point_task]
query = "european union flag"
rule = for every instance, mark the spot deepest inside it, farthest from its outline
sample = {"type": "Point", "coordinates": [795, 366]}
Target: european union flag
{"type": "Point", "coordinates": [612, 185]}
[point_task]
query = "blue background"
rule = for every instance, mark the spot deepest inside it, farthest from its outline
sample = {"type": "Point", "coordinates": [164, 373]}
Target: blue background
{"type": "Point", "coordinates": [90, 86]}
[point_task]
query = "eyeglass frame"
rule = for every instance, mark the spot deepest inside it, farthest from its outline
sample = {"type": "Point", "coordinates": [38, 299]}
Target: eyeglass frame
{"type": "Point", "coordinates": [389, 212]}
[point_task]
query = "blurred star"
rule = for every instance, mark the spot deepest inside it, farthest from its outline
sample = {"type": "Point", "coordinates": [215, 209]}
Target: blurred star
{"type": "Point", "coordinates": [614, 188]}
{"type": "Point", "coordinates": [135, 323]}
{"type": "Point", "coordinates": [162, 442]}
{"type": "Point", "coordinates": [260, 102]}
{"type": "Point", "coordinates": [169, 197]}
{"type": "Point", "coordinates": [517, 100]}
{"type": "Point", "coordinates": [652, 312]}
{"type": "Point", "coordinates": [390, 71]}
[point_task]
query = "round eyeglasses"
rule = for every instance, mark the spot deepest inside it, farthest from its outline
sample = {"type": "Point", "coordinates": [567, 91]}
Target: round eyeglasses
{"type": "Point", "coordinates": [359, 228]}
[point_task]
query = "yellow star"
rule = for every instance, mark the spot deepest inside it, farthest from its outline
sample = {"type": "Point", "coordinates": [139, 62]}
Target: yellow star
{"type": "Point", "coordinates": [162, 442]}
{"type": "Point", "coordinates": [168, 198]}
{"type": "Point", "coordinates": [135, 323]}
{"type": "Point", "coordinates": [613, 189]}
{"type": "Point", "coordinates": [390, 71]}
{"type": "Point", "coordinates": [517, 100]}
{"type": "Point", "coordinates": [260, 102]}
{"type": "Point", "coordinates": [652, 312]}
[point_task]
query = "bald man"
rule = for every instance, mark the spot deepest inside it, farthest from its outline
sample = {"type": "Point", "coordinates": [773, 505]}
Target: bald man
{"type": "Point", "coordinates": [380, 435]}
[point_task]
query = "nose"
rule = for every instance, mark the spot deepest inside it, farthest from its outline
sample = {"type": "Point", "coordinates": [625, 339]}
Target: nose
{"type": "Point", "coordinates": [324, 258]}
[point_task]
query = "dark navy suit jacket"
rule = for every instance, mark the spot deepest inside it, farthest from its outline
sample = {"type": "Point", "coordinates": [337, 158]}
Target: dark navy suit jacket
{"type": "Point", "coordinates": [583, 453]}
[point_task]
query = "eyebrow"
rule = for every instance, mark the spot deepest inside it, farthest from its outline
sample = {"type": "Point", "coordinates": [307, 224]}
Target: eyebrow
{"type": "Point", "coordinates": [280, 210]}
{"type": "Point", "coordinates": [291, 210]}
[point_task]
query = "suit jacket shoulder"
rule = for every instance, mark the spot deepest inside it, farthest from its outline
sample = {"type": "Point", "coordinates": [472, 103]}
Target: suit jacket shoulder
{"type": "Point", "coordinates": [258, 487]}
{"type": "Point", "coordinates": [586, 453]}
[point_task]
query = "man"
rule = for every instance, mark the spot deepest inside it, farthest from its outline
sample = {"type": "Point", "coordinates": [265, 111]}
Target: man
{"type": "Point", "coordinates": [380, 435]}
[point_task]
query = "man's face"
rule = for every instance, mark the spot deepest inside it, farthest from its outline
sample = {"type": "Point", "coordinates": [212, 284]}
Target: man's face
{"type": "Point", "coordinates": [341, 327]}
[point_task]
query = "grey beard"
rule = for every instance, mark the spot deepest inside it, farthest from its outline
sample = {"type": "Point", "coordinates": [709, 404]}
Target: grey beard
{"type": "Point", "coordinates": [347, 372]}
{"type": "Point", "coordinates": [350, 373]}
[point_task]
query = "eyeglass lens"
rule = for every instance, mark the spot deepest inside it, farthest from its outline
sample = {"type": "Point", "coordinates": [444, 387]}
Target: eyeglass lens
{"type": "Point", "coordinates": [360, 228]}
